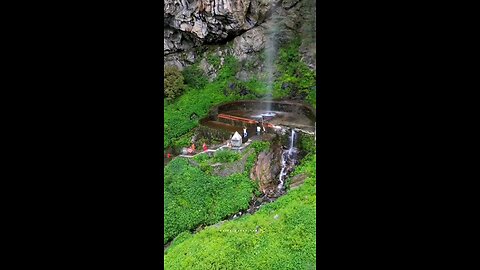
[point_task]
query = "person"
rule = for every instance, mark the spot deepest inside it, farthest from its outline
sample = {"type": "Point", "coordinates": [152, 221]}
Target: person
{"type": "Point", "coordinates": [258, 130]}
{"type": "Point", "coordinates": [168, 155]}
{"type": "Point", "coordinates": [205, 147]}
{"type": "Point", "coordinates": [193, 146]}
{"type": "Point", "coordinates": [244, 132]}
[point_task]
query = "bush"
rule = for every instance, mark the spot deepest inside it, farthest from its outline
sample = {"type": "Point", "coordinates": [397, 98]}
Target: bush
{"type": "Point", "coordinates": [173, 83]}
{"type": "Point", "coordinates": [192, 197]}
{"type": "Point", "coordinates": [226, 156]}
{"type": "Point", "coordinates": [194, 77]}
{"type": "Point", "coordinates": [296, 78]}
{"type": "Point", "coordinates": [260, 146]}
{"type": "Point", "coordinates": [307, 143]}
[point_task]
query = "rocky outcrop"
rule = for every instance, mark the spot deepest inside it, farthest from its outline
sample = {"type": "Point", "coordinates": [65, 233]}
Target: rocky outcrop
{"type": "Point", "coordinates": [192, 22]}
{"type": "Point", "coordinates": [247, 24]}
{"type": "Point", "coordinates": [297, 181]}
{"type": "Point", "coordinates": [266, 170]}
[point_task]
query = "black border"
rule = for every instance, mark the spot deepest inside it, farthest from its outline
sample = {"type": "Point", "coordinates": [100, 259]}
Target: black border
{"type": "Point", "coordinates": [94, 154]}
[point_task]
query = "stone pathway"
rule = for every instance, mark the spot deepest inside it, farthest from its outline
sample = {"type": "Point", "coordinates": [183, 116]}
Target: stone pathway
{"type": "Point", "coordinates": [241, 148]}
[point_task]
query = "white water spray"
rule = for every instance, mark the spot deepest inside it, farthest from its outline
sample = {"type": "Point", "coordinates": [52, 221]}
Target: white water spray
{"type": "Point", "coordinates": [291, 143]}
{"type": "Point", "coordinates": [270, 54]}
{"type": "Point", "coordinates": [286, 155]}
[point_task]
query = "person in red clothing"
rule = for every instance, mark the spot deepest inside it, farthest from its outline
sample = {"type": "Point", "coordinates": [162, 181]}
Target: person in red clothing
{"type": "Point", "coordinates": [205, 147]}
{"type": "Point", "coordinates": [168, 155]}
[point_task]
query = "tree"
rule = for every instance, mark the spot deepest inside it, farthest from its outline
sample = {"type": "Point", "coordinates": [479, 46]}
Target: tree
{"type": "Point", "coordinates": [173, 82]}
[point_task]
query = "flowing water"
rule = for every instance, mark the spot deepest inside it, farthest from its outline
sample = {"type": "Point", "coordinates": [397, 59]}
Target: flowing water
{"type": "Point", "coordinates": [270, 55]}
{"type": "Point", "coordinates": [288, 160]}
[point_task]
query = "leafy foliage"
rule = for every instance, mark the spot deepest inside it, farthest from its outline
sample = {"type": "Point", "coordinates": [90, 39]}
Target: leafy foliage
{"type": "Point", "coordinates": [173, 83]}
{"type": "Point", "coordinates": [192, 197]}
{"type": "Point", "coordinates": [260, 146]}
{"type": "Point", "coordinates": [225, 156]}
{"type": "Point", "coordinates": [281, 235]}
{"type": "Point", "coordinates": [194, 77]}
{"type": "Point", "coordinates": [296, 78]}
{"type": "Point", "coordinates": [177, 120]}
{"type": "Point", "coordinates": [307, 143]}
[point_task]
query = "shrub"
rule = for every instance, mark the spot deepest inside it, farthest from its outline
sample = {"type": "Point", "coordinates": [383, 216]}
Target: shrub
{"type": "Point", "coordinates": [194, 77]}
{"type": "Point", "coordinates": [260, 146]}
{"type": "Point", "coordinates": [226, 156]}
{"type": "Point", "coordinates": [173, 83]}
{"type": "Point", "coordinates": [192, 197]}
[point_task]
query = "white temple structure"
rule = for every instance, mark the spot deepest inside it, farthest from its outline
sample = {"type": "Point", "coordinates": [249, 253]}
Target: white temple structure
{"type": "Point", "coordinates": [236, 140]}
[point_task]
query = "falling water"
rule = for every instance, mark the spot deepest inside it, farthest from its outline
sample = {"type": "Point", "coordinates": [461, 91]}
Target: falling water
{"type": "Point", "coordinates": [291, 143]}
{"type": "Point", "coordinates": [270, 55]}
{"type": "Point", "coordinates": [286, 156]}
{"type": "Point", "coordinates": [282, 172]}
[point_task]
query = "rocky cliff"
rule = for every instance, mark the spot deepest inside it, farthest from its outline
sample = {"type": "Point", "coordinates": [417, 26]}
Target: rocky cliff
{"type": "Point", "coordinates": [246, 25]}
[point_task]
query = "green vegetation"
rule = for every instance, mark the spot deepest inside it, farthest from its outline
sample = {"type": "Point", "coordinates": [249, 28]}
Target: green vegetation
{"type": "Point", "coordinates": [296, 78]}
{"type": "Point", "coordinates": [281, 235]}
{"type": "Point", "coordinates": [193, 77]}
{"type": "Point", "coordinates": [213, 60]}
{"type": "Point", "coordinates": [172, 82]}
{"type": "Point", "coordinates": [193, 197]}
{"type": "Point", "coordinates": [224, 156]}
{"type": "Point", "coordinates": [177, 120]}
{"type": "Point", "coordinates": [307, 143]}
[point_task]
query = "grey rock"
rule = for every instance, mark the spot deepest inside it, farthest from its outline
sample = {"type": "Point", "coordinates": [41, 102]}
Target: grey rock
{"type": "Point", "coordinates": [242, 76]}
{"type": "Point", "coordinates": [297, 181]}
{"type": "Point", "coordinates": [196, 22]}
{"type": "Point", "coordinates": [266, 170]}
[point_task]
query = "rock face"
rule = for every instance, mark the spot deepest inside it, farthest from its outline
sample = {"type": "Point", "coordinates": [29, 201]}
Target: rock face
{"type": "Point", "coordinates": [192, 22]}
{"type": "Point", "coordinates": [266, 170]}
{"type": "Point", "coordinates": [189, 24]}
{"type": "Point", "coordinates": [297, 181]}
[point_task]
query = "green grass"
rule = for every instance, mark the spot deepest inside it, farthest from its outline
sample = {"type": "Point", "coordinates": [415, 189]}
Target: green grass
{"type": "Point", "coordinates": [287, 242]}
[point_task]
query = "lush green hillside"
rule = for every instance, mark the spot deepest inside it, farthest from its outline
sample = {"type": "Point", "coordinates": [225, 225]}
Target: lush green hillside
{"type": "Point", "coordinates": [281, 235]}
{"type": "Point", "coordinates": [293, 79]}
{"type": "Point", "coordinates": [193, 197]}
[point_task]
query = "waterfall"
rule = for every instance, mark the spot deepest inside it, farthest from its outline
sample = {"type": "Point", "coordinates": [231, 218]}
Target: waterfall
{"type": "Point", "coordinates": [291, 143]}
{"type": "Point", "coordinates": [287, 158]}
{"type": "Point", "coordinates": [282, 172]}
{"type": "Point", "coordinates": [270, 54]}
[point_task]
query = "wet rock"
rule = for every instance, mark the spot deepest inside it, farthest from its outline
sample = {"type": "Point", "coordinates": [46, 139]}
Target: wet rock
{"type": "Point", "coordinates": [267, 169]}
{"type": "Point", "coordinates": [297, 180]}
{"type": "Point", "coordinates": [287, 4]}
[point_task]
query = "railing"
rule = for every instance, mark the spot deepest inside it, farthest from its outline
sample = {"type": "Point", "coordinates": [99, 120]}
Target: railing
{"type": "Point", "coordinates": [236, 118]}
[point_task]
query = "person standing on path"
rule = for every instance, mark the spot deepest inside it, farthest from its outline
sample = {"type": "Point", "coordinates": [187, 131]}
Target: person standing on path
{"type": "Point", "coordinates": [244, 132]}
{"type": "Point", "coordinates": [205, 147]}
{"type": "Point", "coordinates": [258, 130]}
